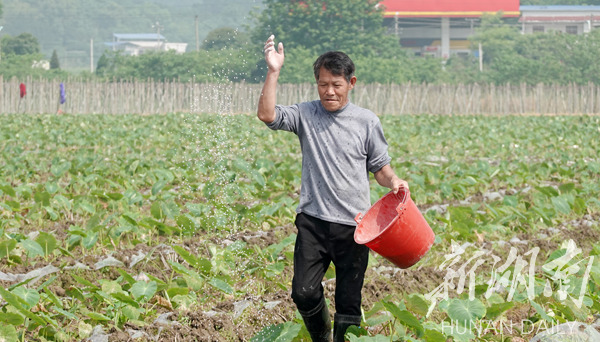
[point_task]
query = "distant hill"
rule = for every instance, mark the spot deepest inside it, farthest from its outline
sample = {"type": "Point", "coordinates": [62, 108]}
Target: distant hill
{"type": "Point", "coordinates": [68, 25]}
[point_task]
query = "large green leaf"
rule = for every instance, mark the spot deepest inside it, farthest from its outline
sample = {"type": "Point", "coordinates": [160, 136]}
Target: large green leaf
{"type": "Point", "coordinates": [51, 187]}
{"type": "Point", "coordinates": [283, 332]}
{"type": "Point", "coordinates": [60, 169]}
{"type": "Point", "coordinates": [434, 336]}
{"type": "Point", "coordinates": [202, 264]}
{"type": "Point", "coordinates": [186, 223]}
{"type": "Point", "coordinates": [6, 246]}
{"type": "Point", "coordinates": [8, 333]}
{"type": "Point", "coordinates": [157, 210]}
{"type": "Point", "coordinates": [126, 276]}
{"type": "Point", "coordinates": [197, 209]}
{"type": "Point", "coordinates": [42, 198]}
{"type": "Point", "coordinates": [12, 299]}
{"type": "Point", "coordinates": [30, 296]}
{"type": "Point", "coordinates": [98, 316]}
{"type": "Point", "coordinates": [115, 196]}
{"type": "Point", "coordinates": [158, 186]}
{"type": "Point", "coordinates": [561, 204]}
{"type": "Point", "coordinates": [133, 197]}
{"type": "Point", "coordinates": [33, 248]}
{"type": "Point", "coordinates": [276, 249]}
{"type": "Point", "coordinates": [221, 285]}
{"type": "Point", "coordinates": [47, 241]}
{"type": "Point", "coordinates": [131, 312]}
{"type": "Point", "coordinates": [566, 188]}
{"type": "Point", "coordinates": [125, 299]}
{"type": "Point", "coordinates": [65, 313]}
{"type": "Point", "coordinates": [63, 202]}
{"type": "Point", "coordinates": [540, 310]}
{"type": "Point", "coordinates": [176, 291]}
{"type": "Point", "coordinates": [83, 281]}
{"type": "Point", "coordinates": [187, 256]}
{"type": "Point", "coordinates": [19, 304]}
{"type": "Point", "coordinates": [89, 240]}
{"type": "Point", "coordinates": [495, 310]}
{"type": "Point", "coordinates": [111, 287]}
{"type": "Point", "coordinates": [548, 191]}
{"type": "Point", "coordinates": [143, 290]}
{"type": "Point", "coordinates": [465, 311]}
{"type": "Point", "coordinates": [93, 222]}
{"type": "Point", "coordinates": [511, 201]}
{"type": "Point", "coordinates": [87, 206]}
{"type": "Point", "coordinates": [11, 318]}
{"type": "Point", "coordinates": [8, 190]}
{"type": "Point", "coordinates": [417, 304]}
{"type": "Point", "coordinates": [13, 205]}
{"type": "Point", "coordinates": [405, 317]}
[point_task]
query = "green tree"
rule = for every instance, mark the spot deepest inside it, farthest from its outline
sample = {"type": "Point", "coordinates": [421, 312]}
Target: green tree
{"type": "Point", "coordinates": [353, 26]}
{"type": "Point", "coordinates": [102, 65]}
{"type": "Point", "coordinates": [310, 27]}
{"type": "Point", "coordinates": [227, 65]}
{"type": "Point", "coordinates": [495, 37]}
{"type": "Point", "coordinates": [20, 66]}
{"type": "Point", "coordinates": [23, 44]}
{"type": "Point", "coordinates": [576, 59]}
{"type": "Point", "coordinates": [67, 25]}
{"type": "Point", "coordinates": [225, 37]}
{"type": "Point", "coordinates": [553, 57]}
{"type": "Point", "coordinates": [54, 63]}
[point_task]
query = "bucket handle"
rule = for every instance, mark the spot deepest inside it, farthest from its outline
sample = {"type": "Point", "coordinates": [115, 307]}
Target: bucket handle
{"type": "Point", "coordinates": [399, 209]}
{"type": "Point", "coordinates": [402, 205]}
{"type": "Point", "coordinates": [358, 218]}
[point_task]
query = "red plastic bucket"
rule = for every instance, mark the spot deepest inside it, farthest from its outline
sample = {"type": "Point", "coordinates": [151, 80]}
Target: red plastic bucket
{"type": "Point", "coordinates": [395, 228]}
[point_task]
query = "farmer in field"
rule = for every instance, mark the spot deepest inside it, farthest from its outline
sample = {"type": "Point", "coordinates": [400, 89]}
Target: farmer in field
{"type": "Point", "coordinates": [341, 143]}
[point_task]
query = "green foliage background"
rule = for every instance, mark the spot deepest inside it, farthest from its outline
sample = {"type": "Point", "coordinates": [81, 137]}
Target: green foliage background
{"type": "Point", "coordinates": [232, 34]}
{"type": "Point", "coordinates": [76, 189]}
{"type": "Point", "coordinates": [68, 26]}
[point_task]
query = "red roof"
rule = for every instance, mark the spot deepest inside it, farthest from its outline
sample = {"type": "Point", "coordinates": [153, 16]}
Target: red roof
{"type": "Point", "coordinates": [448, 8]}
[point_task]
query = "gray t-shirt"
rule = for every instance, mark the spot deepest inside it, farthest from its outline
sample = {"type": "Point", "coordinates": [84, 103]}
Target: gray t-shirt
{"type": "Point", "coordinates": [338, 151]}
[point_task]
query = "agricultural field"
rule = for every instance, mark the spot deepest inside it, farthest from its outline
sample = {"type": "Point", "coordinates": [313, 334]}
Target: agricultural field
{"type": "Point", "coordinates": [179, 227]}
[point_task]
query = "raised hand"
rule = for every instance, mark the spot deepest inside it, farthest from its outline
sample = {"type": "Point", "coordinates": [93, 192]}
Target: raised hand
{"type": "Point", "coordinates": [274, 58]}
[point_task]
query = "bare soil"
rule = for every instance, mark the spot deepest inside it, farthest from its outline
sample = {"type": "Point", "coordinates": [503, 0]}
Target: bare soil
{"type": "Point", "coordinates": [215, 318]}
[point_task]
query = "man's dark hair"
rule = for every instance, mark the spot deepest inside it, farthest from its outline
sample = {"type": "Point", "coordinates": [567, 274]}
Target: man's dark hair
{"type": "Point", "coordinates": [337, 62]}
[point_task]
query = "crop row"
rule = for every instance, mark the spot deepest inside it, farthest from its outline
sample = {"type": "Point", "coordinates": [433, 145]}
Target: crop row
{"type": "Point", "coordinates": [113, 221]}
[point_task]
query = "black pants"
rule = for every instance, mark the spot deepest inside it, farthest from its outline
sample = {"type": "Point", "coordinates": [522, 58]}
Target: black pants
{"type": "Point", "coordinates": [317, 245]}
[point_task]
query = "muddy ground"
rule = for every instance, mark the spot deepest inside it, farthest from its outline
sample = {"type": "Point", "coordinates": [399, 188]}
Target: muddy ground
{"type": "Point", "coordinates": [240, 316]}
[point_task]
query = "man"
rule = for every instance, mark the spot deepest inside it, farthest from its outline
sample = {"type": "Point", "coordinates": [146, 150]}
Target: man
{"type": "Point", "coordinates": [341, 143]}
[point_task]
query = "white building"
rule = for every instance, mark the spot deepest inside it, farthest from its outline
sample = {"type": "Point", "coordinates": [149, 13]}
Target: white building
{"type": "Point", "coordinates": [567, 19]}
{"type": "Point", "coordinates": [134, 44]}
{"type": "Point", "coordinates": [441, 28]}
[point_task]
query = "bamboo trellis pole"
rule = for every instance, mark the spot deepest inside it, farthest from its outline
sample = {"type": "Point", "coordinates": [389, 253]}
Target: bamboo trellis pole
{"type": "Point", "coordinates": [154, 97]}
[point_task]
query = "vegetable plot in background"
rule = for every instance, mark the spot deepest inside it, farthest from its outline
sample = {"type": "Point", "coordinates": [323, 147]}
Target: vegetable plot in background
{"type": "Point", "coordinates": [115, 225]}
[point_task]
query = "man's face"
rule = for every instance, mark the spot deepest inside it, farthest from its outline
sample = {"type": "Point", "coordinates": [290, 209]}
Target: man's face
{"type": "Point", "coordinates": [333, 90]}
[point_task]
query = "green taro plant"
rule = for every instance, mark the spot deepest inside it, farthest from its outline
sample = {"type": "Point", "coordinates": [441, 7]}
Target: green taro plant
{"type": "Point", "coordinates": [108, 222]}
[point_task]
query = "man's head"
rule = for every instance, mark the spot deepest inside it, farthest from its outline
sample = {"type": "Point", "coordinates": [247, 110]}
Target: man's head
{"type": "Point", "coordinates": [337, 62]}
{"type": "Point", "coordinates": [334, 73]}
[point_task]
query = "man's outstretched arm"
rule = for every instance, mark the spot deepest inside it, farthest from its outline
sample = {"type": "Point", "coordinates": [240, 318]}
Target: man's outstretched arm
{"type": "Point", "coordinates": [268, 96]}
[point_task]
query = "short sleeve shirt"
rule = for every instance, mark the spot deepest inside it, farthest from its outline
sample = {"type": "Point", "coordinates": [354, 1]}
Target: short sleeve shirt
{"type": "Point", "coordinates": [339, 149]}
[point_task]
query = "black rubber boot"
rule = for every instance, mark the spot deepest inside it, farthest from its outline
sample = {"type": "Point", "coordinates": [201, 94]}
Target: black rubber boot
{"type": "Point", "coordinates": [318, 323]}
{"type": "Point", "coordinates": [341, 323]}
